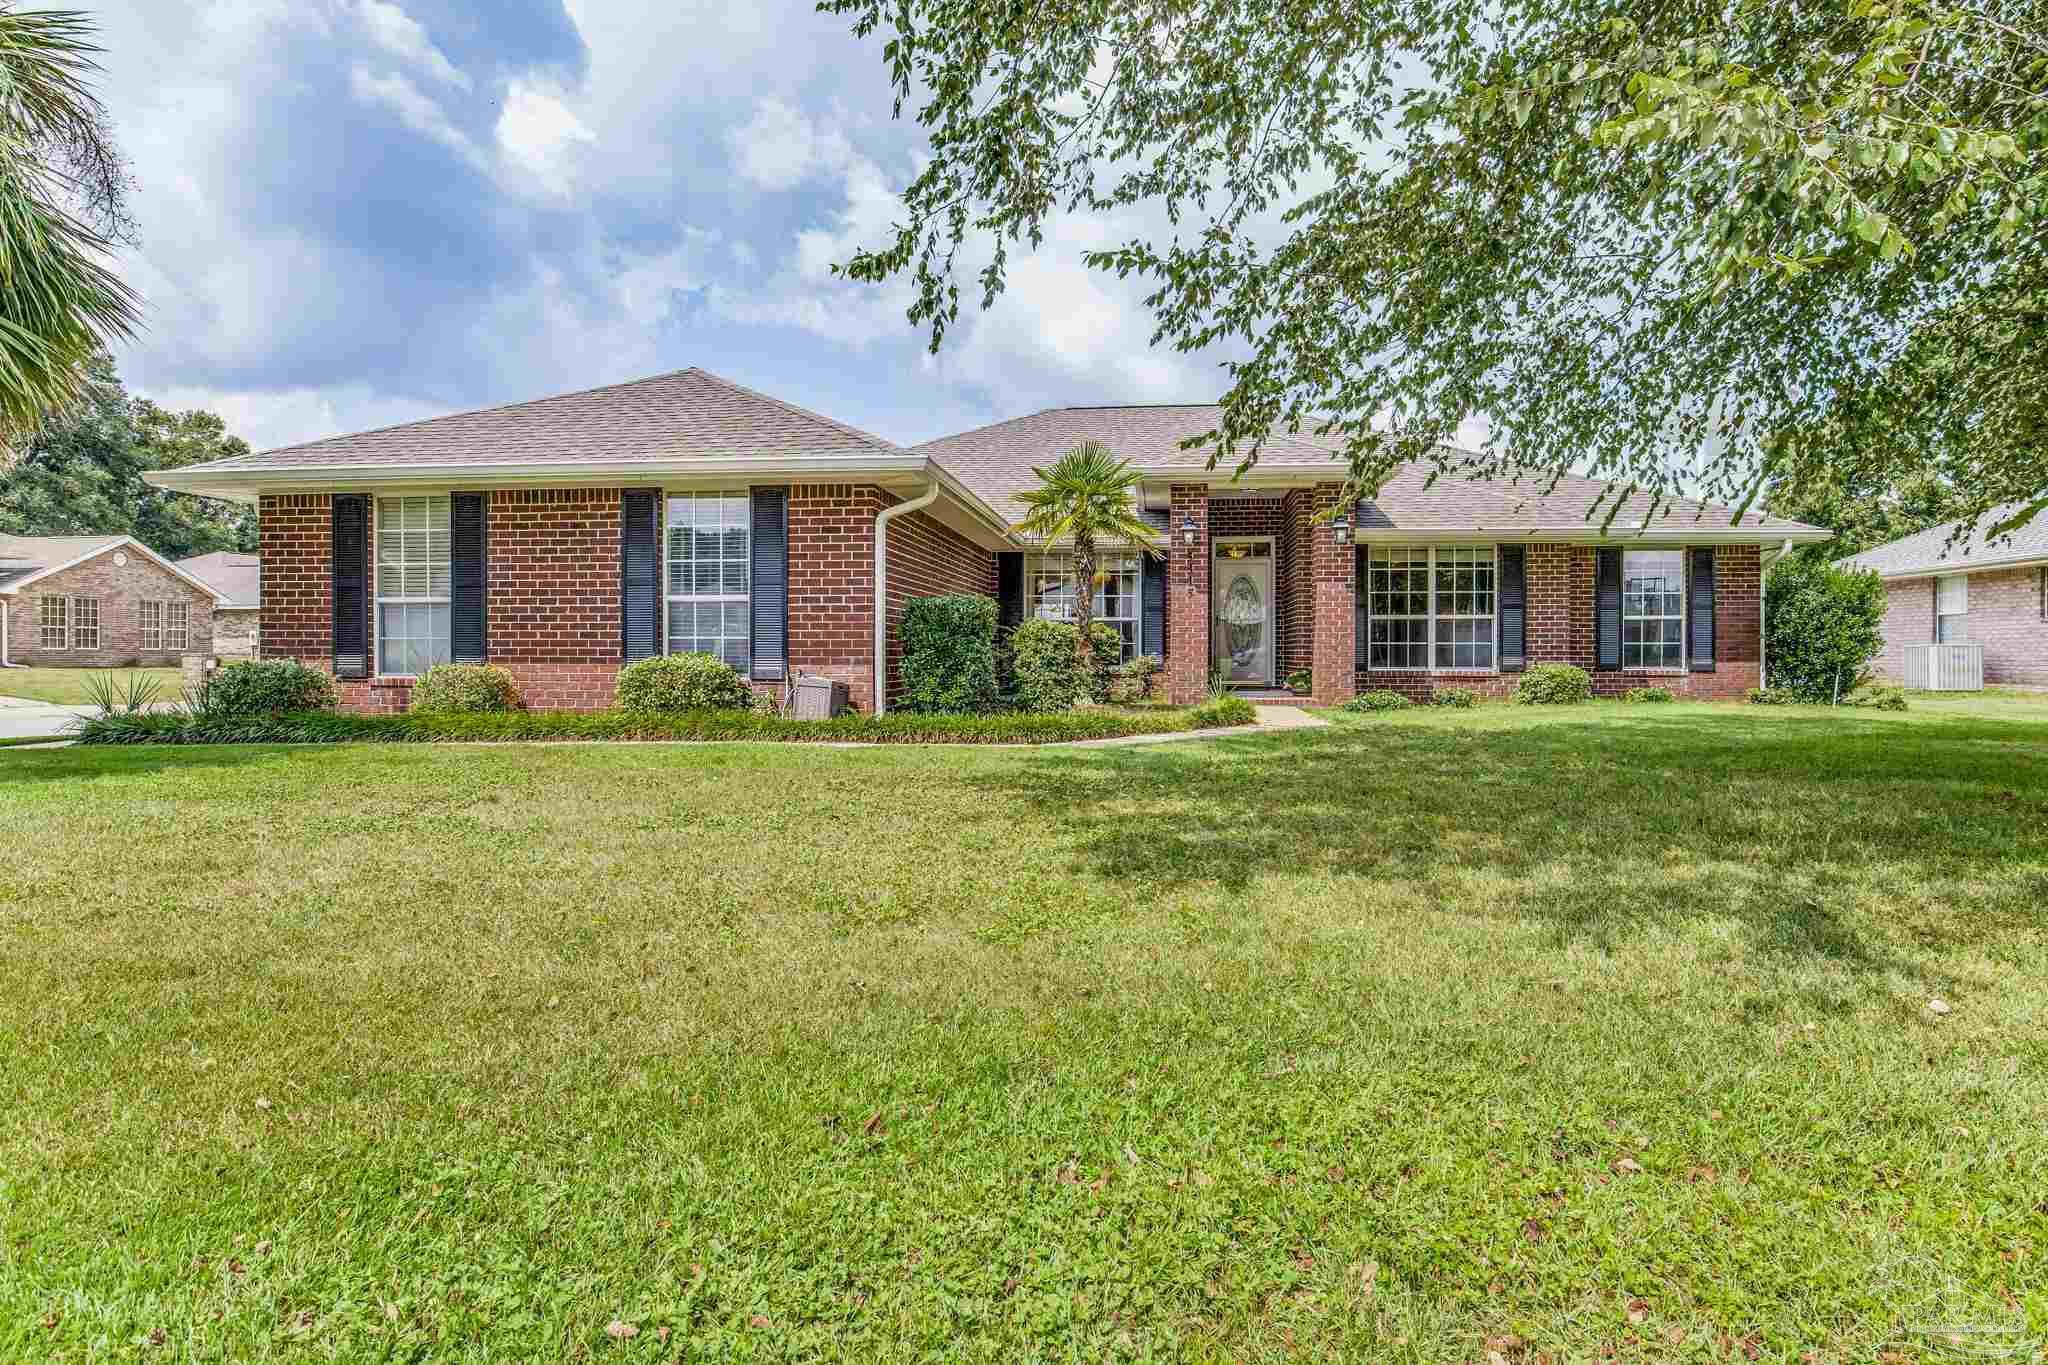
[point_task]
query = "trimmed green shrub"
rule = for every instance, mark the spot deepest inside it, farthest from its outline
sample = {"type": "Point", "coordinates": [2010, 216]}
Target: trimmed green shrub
{"type": "Point", "coordinates": [1554, 685]}
{"type": "Point", "coordinates": [1771, 696]}
{"type": "Point", "coordinates": [1455, 696]}
{"type": "Point", "coordinates": [1379, 699]}
{"type": "Point", "coordinates": [269, 688]}
{"type": "Point", "coordinates": [682, 682]}
{"type": "Point", "coordinates": [424, 727]}
{"type": "Point", "coordinates": [1046, 674]}
{"type": "Point", "coordinates": [1130, 683]}
{"type": "Point", "coordinates": [472, 688]}
{"type": "Point", "coordinates": [1223, 712]}
{"type": "Point", "coordinates": [1301, 680]}
{"type": "Point", "coordinates": [949, 654]}
{"type": "Point", "coordinates": [1822, 627]}
{"type": "Point", "coordinates": [1647, 694]}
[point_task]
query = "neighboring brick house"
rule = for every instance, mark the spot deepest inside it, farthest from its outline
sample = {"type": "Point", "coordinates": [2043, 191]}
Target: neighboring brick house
{"type": "Point", "coordinates": [98, 602]}
{"type": "Point", "coordinates": [564, 537]}
{"type": "Point", "coordinates": [1972, 589]}
{"type": "Point", "coordinates": [237, 616]}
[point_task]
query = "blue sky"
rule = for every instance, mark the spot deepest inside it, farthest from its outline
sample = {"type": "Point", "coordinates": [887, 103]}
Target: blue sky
{"type": "Point", "coordinates": [357, 212]}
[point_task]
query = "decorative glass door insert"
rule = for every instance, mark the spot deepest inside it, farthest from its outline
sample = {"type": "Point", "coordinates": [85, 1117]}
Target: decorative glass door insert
{"type": "Point", "coordinates": [1241, 624]}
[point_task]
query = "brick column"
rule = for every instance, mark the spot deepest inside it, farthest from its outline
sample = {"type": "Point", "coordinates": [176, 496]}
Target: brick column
{"type": "Point", "coordinates": [1187, 597]}
{"type": "Point", "coordinates": [1333, 576]}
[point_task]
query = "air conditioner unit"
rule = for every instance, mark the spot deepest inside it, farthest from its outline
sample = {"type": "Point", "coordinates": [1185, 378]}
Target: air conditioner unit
{"type": "Point", "coordinates": [819, 698]}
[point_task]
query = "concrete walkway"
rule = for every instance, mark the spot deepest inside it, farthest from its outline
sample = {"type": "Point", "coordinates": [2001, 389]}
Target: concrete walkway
{"type": "Point", "coordinates": [21, 718]}
{"type": "Point", "coordinates": [1288, 718]}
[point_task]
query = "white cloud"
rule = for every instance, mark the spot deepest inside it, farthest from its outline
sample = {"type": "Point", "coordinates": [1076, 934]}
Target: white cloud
{"type": "Point", "coordinates": [398, 33]}
{"type": "Point", "coordinates": [781, 147]}
{"type": "Point", "coordinates": [540, 134]}
{"type": "Point", "coordinates": [418, 112]}
{"type": "Point", "coordinates": [268, 418]}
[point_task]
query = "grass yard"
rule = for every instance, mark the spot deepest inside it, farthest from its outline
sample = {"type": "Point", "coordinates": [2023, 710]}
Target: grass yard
{"type": "Point", "coordinates": [67, 685]}
{"type": "Point", "coordinates": [1435, 1037]}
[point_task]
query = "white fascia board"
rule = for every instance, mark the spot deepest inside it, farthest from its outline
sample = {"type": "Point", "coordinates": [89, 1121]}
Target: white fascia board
{"type": "Point", "coordinates": [2027, 561]}
{"type": "Point", "coordinates": [1443, 535]}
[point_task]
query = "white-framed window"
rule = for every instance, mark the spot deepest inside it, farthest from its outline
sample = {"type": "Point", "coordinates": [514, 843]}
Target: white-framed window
{"type": "Point", "coordinates": [1050, 584]}
{"type": "Point", "coordinates": [85, 623]}
{"type": "Point", "coordinates": [177, 625]}
{"type": "Point", "coordinates": [1431, 608]}
{"type": "Point", "coordinates": [412, 584]}
{"type": "Point", "coordinates": [1951, 608]}
{"type": "Point", "coordinates": [150, 616]}
{"type": "Point", "coordinates": [53, 621]}
{"type": "Point", "coordinates": [1653, 609]}
{"type": "Point", "coordinates": [709, 549]}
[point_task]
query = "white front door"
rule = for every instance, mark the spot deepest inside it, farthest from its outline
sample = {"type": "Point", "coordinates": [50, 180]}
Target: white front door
{"type": "Point", "coordinates": [1241, 615]}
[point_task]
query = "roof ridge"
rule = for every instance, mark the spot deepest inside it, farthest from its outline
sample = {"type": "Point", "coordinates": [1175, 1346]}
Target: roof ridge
{"type": "Point", "coordinates": [788, 406]}
{"type": "Point", "coordinates": [231, 461]}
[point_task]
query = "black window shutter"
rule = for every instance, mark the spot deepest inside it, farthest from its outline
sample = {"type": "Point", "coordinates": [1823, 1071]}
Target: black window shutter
{"type": "Point", "coordinates": [1360, 619]}
{"type": "Point", "coordinates": [350, 536]}
{"type": "Point", "coordinates": [467, 577]}
{"type": "Point", "coordinates": [639, 573]}
{"type": "Point", "coordinates": [1009, 589]}
{"type": "Point", "coordinates": [1154, 600]}
{"type": "Point", "coordinates": [770, 600]}
{"type": "Point", "coordinates": [1514, 608]}
{"type": "Point", "coordinates": [1700, 600]}
{"type": "Point", "coordinates": [1607, 610]}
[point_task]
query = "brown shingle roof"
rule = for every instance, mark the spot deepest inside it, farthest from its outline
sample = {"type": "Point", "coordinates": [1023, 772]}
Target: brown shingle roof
{"type": "Point", "coordinates": [996, 463]}
{"type": "Point", "coordinates": [237, 577]}
{"type": "Point", "coordinates": [684, 415]}
{"type": "Point", "coordinates": [1929, 551]}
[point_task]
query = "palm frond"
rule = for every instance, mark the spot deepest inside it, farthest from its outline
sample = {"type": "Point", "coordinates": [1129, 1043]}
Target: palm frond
{"type": "Point", "coordinates": [1088, 494]}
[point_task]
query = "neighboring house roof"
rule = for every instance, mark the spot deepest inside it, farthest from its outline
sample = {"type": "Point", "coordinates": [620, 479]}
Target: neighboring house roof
{"type": "Point", "coordinates": [237, 577]}
{"type": "Point", "coordinates": [26, 559]}
{"type": "Point", "coordinates": [997, 462]}
{"type": "Point", "coordinates": [1930, 551]}
{"type": "Point", "coordinates": [685, 415]}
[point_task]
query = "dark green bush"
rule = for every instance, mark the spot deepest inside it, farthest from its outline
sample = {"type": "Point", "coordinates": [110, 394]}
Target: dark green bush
{"type": "Point", "coordinates": [1301, 680]}
{"type": "Point", "coordinates": [898, 727]}
{"type": "Point", "coordinates": [1648, 694]}
{"type": "Point", "coordinates": [1554, 685]}
{"type": "Point", "coordinates": [1130, 683]}
{"type": "Point", "coordinates": [1822, 627]}
{"type": "Point", "coordinates": [1771, 696]}
{"type": "Point", "coordinates": [1455, 696]}
{"type": "Point", "coordinates": [949, 654]}
{"type": "Point", "coordinates": [1878, 697]}
{"type": "Point", "coordinates": [682, 682]}
{"type": "Point", "coordinates": [1046, 674]}
{"type": "Point", "coordinates": [465, 687]}
{"type": "Point", "coordinates": [1379, 699]}
{"type": "Point", "coordinates": [269, 688]}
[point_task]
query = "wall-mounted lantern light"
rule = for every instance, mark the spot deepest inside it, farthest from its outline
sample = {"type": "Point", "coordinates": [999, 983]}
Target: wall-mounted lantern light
{"type": "Point", "coordinates": [1190, 532]}
{"type": "Point", "coordinates": [1341, 528]}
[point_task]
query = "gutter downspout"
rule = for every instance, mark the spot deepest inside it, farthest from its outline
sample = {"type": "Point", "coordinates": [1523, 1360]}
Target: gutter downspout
{"type": "Point", "coordinates": [889, 514]}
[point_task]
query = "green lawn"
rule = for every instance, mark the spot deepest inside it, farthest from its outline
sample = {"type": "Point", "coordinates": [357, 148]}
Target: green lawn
{"type": "Point", "coordinates": [67, 685]}
{"type": "Point", "coordinates": [1433, 1037]}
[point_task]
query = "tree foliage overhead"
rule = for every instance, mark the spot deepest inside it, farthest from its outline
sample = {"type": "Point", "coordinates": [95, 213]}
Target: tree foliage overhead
{"type": "Point", "coordinates": [81, 474]}
{"type": "Point", "coordinates": [63, 197]}
{"type": "Point", "coordinates": [1676, 245]}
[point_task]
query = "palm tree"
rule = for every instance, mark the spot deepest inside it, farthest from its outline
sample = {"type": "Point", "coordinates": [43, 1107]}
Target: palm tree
{"type": "Point", "coordinates": [1085, 498]}
{"type": "Point", "coordinates": [63, 195]}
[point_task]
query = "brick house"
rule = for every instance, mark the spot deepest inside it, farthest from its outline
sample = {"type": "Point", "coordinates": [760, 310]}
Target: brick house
{"type": "Point", "coordinates": [1978, 590]}
{"type": "Point", "coordinates": [237, 616]}
{"type": "Point", "coordinates": [564, 537]}
{"type": "Point", "coordinates": [98, 602]}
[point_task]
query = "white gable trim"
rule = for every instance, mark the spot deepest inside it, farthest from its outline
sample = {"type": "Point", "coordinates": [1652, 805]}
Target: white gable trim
{"type": "Point", "coordinates": [124, 543]}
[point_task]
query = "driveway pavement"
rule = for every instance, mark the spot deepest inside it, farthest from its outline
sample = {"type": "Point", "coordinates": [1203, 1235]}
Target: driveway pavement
{"type": "Point", "coordinates": [21, 718]}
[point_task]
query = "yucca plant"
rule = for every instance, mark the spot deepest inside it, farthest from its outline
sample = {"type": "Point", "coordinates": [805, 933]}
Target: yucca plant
{"type": "Point", "coordinates": [112, 694]}
{"type": "Point", "coordinates": [1086, 497]}
{"type": "Point", "coordinates": [63, 190]}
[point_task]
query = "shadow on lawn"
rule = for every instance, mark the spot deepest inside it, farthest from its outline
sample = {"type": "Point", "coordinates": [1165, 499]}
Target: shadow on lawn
{"type": "Point", "coordinates": [1599, 827]}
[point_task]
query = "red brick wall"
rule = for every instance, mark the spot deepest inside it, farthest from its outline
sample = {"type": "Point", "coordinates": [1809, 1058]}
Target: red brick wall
{"type": "Point", "coordinates": [295, 532]}
{"type": "Point", "coordinates": [832, 584]}
{"type": "Point", "coordinates": [1333, 570]}
{"type": "Point", "coordinates": [2005, 617]}
{"type": "Point", "coordinates": [927, 559]}
{"type": "Point", "coordinates": [1296, 603]}
{"type": "Point", "coordinates": [1560, 588]}
{"type": "Point", "coordinates": [554, 577]}
{"type": "Point", "coordinates": [120, 592]}
{"type": "Point", "coordinates": [1187, 596]}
